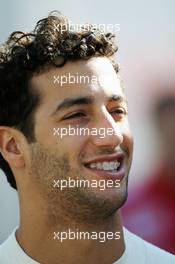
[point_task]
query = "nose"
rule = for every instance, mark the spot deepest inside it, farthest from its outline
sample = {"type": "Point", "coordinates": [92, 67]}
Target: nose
{"type": "Point", "coordinates": [109, 132]}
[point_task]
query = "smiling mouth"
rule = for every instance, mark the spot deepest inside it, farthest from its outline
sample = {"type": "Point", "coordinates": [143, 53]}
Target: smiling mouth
{"type": "Point", "coordinates": [110, 168]}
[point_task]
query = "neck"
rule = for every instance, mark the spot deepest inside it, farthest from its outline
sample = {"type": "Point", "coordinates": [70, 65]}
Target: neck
{"type": "Point", "coordinates": [41, 239]}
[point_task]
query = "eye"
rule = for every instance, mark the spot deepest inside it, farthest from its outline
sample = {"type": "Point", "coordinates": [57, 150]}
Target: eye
{"type": "Point", "coordinates": [119, 111]}
{"type": "Point", "coordinates": [75, 115]}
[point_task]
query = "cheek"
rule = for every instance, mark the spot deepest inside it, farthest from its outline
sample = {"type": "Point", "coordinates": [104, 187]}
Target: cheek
{"type": "Point", "coordinates": [73, 145]}
{"type": "Point", "coordinates": [130, 143]}
{"type": "Point", "coordinates": [127, 139]}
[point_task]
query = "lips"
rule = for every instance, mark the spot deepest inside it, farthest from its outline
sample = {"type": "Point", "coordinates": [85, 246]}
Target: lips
{"type": "Point", "coordinates": [106, 170]}
{"type": "Point", "coordinates": [118, 157]}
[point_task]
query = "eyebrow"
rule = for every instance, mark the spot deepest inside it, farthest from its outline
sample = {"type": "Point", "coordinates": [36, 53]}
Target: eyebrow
{"type": "Point", "coordinates": [86, 100]}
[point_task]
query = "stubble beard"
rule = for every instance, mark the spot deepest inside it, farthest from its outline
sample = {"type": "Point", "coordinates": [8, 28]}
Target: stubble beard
{"type": "Point", "coordinates": [80, 205]}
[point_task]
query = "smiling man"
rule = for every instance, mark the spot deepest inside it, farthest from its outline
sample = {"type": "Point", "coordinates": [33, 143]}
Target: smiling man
{"type": "Point", "coordinates": [65, 214]}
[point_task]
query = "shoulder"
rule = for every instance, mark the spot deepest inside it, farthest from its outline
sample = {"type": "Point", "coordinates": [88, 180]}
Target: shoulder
{"type": "Point", "coordinates": [146, 252]}
{"type": "Point", "coordinates": [6, 249]}
{"type": "Point", "coordinates": [11, 251]}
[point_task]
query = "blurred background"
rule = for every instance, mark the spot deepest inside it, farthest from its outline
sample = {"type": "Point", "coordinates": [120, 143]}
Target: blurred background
{"type": "Point", "coordinates": [146, 55]}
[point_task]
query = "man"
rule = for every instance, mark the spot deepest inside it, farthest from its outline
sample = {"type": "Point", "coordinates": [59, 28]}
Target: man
{"type": "Point", "coordinates": [61, 219]}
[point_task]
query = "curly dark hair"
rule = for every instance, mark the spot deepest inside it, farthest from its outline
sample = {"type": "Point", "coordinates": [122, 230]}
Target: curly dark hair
{"type": "Point", "coordinates": [52, 42]}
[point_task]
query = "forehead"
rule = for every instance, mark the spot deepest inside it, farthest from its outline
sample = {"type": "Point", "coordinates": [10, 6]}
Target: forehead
{"type": "Point", "coordinates": [94, 77]}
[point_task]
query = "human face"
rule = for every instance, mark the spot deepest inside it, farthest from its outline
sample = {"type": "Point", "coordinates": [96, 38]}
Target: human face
{"type": "Point", "coordinates": [100, 104]}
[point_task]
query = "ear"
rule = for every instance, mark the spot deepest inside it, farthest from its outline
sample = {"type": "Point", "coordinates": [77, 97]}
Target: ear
{"type": "Point", "coordinates": [11, 146]}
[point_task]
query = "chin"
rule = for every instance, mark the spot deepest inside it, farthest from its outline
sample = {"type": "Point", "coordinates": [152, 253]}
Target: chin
{"type": "Point", "coordinates": [105, 203]}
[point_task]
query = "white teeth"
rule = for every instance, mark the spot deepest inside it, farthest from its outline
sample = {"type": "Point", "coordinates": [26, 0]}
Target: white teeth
{"type": "Point", "coordinates": [106, 165]}
{"type": "Point", "coordinates": [112, 165]}
{"type": "Point", "coordinates": [99, 165]}
{"type": "Point", "coordinates": [116, 165]}
{"type": "Point", "coordinates": [93, 165]}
